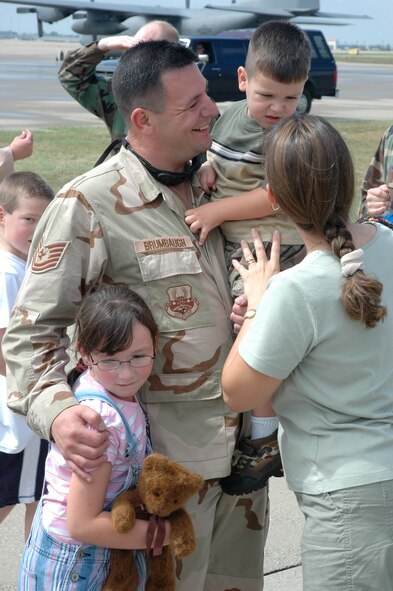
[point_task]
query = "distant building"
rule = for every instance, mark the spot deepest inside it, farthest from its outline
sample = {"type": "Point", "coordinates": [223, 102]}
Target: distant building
{"type": "Point", "coordinates": [332, 44]}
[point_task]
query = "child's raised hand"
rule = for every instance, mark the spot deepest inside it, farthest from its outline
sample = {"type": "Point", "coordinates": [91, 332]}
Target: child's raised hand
{"type": "Point", "coordinates": [378, 200]}
{"type": "Point", "coordinates": [259, 269]}
{"type": "Point", "coordinates": [207, 177]}
{"type": "Point", "coordinates": [22, 145]}
{"type": "Point", "coordinates": [203, 219]}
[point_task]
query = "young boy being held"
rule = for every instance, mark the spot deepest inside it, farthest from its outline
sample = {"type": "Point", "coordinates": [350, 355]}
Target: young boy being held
{"type": "Point", "coordinates": [23, 198]}
{"type": "Point", "coordinates": [276, 69]}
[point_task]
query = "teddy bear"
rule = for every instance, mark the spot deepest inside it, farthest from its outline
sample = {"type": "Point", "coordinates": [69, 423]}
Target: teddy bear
{"type": "Point", "coordinates": [162, 490]}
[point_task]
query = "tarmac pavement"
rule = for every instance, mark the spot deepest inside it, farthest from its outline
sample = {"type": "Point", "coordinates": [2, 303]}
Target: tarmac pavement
{"type": "Point", "coordinates": [31, 96]}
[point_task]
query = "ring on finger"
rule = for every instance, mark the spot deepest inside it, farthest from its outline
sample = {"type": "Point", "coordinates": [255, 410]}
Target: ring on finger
{"type": "Point", "coordinates": [250, 261]}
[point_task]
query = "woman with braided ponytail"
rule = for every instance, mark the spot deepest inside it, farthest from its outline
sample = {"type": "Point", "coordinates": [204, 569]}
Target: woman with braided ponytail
{"type": "Point", "coordinates": [318, 342]}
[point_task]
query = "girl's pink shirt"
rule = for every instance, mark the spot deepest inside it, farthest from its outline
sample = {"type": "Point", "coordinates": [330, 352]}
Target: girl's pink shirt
{"type": "Point", "coordinates": [58, 474]}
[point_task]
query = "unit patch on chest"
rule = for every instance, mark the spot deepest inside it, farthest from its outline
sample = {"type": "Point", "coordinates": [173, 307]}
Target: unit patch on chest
{"type": "Point", "coordinates": [181, 303]}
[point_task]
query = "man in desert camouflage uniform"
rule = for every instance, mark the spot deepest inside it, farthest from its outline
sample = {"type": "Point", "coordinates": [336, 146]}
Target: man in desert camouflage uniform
{"type": "Point", "coordinates": [78, 75]}
{"type": "Point", "coordinates": [379, 176]}
{"type": "Point", "coordinates": [123, 222]}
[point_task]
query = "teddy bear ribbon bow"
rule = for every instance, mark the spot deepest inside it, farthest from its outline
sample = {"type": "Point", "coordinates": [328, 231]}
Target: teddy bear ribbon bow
{"type": "Point", "coordinates": [156, 524]}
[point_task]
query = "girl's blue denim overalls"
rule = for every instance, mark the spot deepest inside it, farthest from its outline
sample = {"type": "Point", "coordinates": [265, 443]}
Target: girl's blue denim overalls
{"type": "Point", "coordinates": [49, 565]}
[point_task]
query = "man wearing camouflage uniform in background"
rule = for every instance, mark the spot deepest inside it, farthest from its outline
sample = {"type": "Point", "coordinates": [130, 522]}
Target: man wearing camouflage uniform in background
{"type": "Point", "coordinates": [375, 194]}
{"type": "Point", "coordinates": [78, 75]}
{"type": "Point", "coordinates": [123, 223]}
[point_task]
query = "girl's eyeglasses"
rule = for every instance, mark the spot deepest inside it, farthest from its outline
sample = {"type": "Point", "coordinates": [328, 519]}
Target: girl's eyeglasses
{"type": "Point", "coordinates": [114, 364]}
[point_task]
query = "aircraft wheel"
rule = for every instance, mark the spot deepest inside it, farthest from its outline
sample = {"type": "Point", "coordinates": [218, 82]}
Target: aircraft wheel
{"type": "Point", "coordinates": [305, 102]}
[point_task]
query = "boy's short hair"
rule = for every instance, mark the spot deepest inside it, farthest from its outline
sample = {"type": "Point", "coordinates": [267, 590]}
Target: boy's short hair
{"type": "Point", "coordinates": [279, 50]}
{"type": "Point", "coordinates": [23, 184]}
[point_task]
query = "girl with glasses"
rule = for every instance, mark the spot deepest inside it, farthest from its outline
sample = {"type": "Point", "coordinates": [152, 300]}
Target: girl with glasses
{"type": "Point", "coordinates": [72, 532]}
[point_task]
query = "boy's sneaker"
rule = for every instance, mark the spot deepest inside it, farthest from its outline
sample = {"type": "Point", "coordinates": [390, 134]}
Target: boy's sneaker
{"type": "Point", "coordinates": [253, 463]}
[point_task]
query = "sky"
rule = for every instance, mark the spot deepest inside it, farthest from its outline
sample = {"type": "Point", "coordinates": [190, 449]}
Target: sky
{"type": "Point", "coordinates": [376, 31]}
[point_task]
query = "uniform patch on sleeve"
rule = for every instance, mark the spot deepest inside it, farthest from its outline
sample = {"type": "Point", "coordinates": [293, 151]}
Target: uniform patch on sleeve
{"type": "Point", "coordinates": [48, 256]}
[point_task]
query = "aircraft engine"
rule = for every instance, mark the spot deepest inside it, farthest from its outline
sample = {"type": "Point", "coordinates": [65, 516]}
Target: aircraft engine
{"type": "Point", "coordinates": [133, 23]}
{"type": "Point", "coordinates": [52, 15]}
{"type": "Point", "coordinates": [102, 23]}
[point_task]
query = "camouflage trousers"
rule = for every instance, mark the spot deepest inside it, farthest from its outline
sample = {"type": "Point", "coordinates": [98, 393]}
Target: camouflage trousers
{"type": "Point", "coordinates": [231, 534]}
{"type": "Point", "coordinates": [290, 255]}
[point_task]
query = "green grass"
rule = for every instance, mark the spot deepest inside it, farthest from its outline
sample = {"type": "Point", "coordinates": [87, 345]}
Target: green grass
{"type": "Point", "coordinates": [362, 137]}
{"type": "Point", "coordinates": [60, 154]}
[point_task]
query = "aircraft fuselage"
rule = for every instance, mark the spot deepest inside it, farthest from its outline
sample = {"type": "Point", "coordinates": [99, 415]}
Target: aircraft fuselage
{"type": "Point", "coordinates": [196, 24]}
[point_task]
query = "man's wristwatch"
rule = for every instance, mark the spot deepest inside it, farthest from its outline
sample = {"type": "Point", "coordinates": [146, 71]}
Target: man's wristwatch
{"type": "Point", "coordinates": [250, 313]}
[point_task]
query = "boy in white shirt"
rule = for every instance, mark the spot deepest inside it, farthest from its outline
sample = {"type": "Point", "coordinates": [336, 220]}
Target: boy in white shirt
{"type": "Point", "coordinates": [23, 198]}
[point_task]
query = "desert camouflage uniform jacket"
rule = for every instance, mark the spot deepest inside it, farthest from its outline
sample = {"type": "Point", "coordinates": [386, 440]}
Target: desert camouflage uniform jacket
{"type": "Point", "coordinates": [115, 224]}
{"type": "Point", "coordinates": [78, 76]}
{"type": "Point", "coordinates": [377, 173]}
